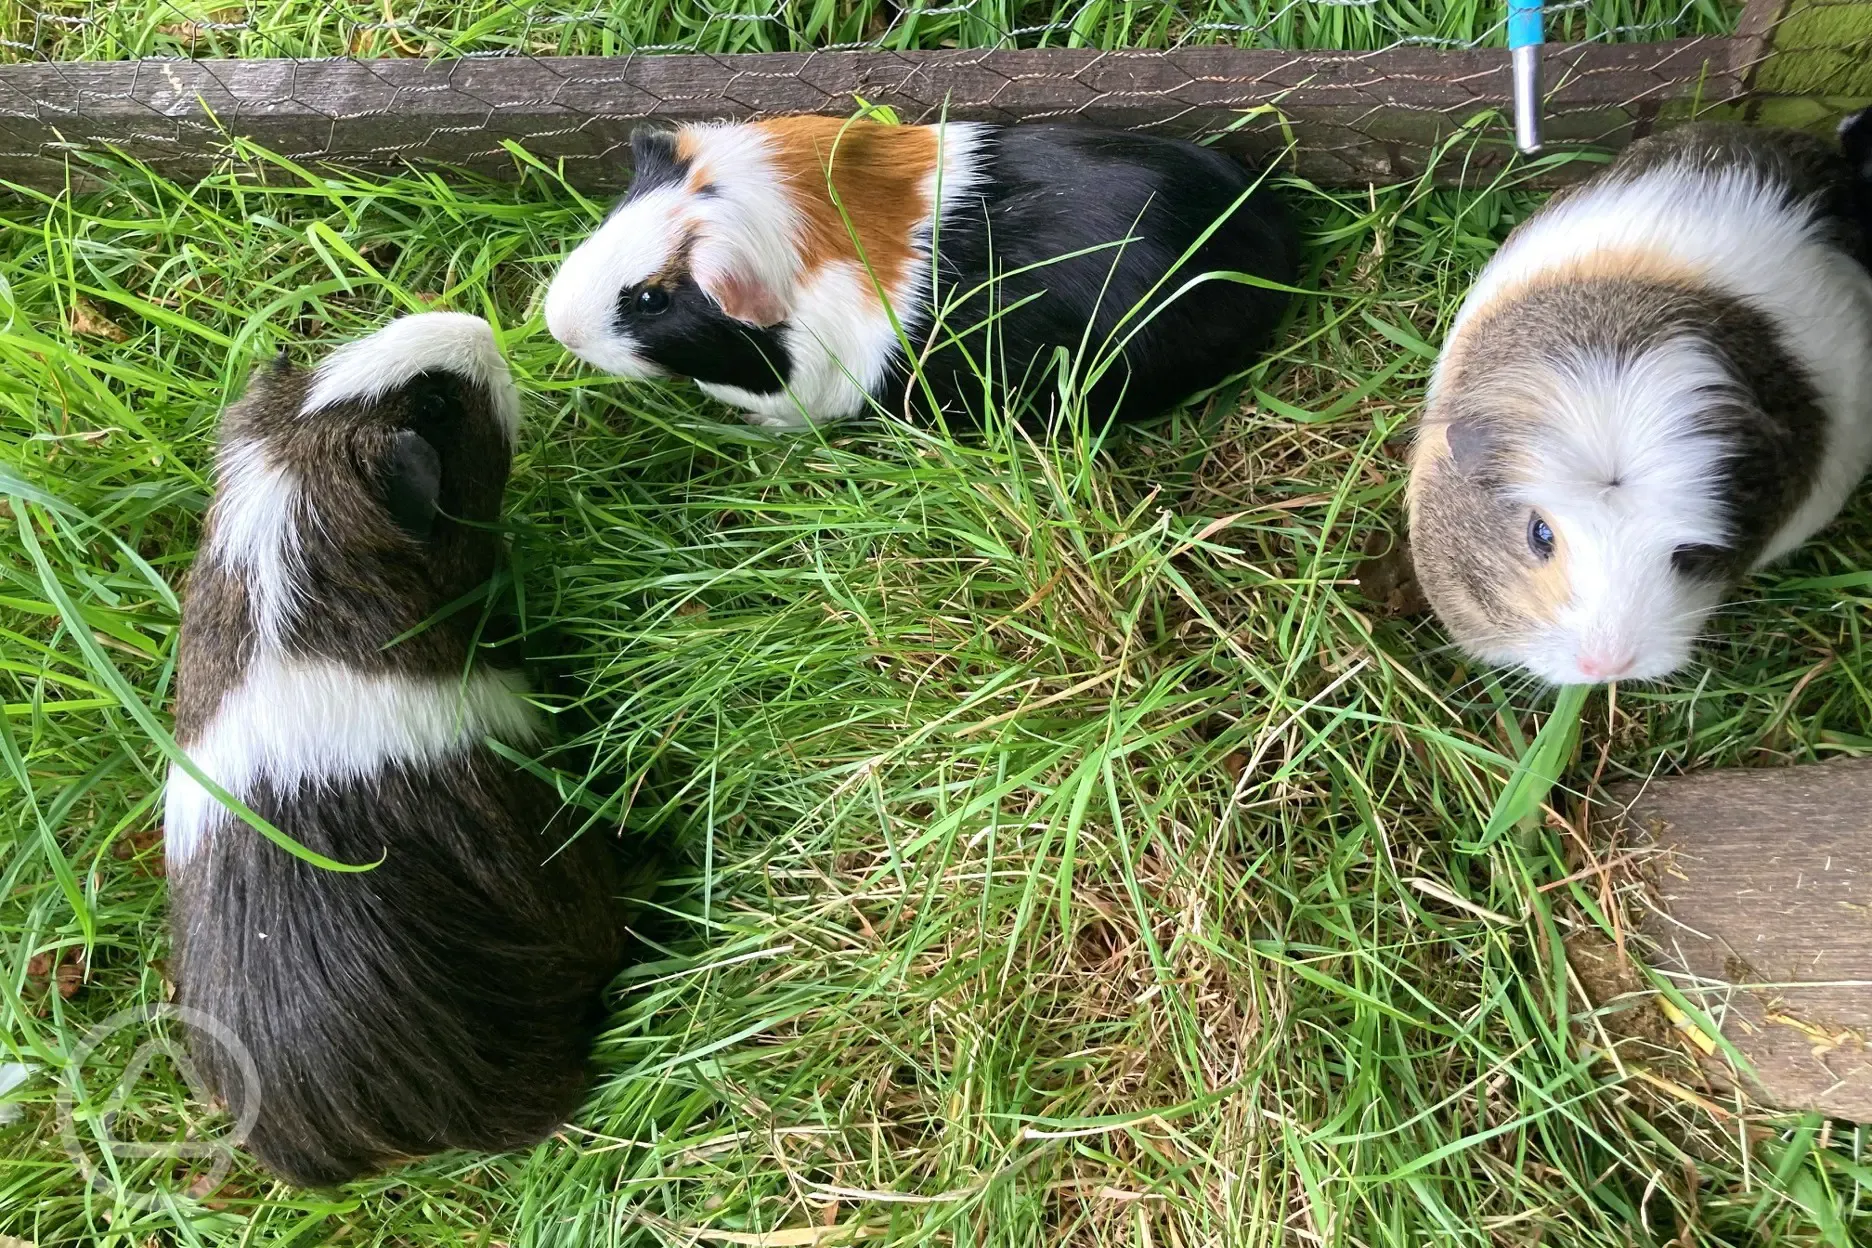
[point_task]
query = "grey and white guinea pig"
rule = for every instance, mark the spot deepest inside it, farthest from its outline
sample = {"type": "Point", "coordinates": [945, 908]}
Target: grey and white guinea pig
{"type": "Point", "coordinates": [447, 998]}
{"type": "Point", "coordinates": [732, 262]}
{"type": "Point", "coordinates": [1662, 381]}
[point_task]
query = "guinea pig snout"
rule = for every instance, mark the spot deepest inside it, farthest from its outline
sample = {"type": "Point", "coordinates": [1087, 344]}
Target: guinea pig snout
{"type": "Point", "coordinates": [1604, 662]}
{"type": "Point", "coordinates": [563, 320]}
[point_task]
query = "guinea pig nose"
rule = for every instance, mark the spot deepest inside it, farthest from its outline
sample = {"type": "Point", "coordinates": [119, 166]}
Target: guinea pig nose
{"type": "Point", "coordinates": [570, 336]}
{"type": "Point", "coordinates": [562, 321]}
{"type": "Point", "coordinates": [1601, 666]}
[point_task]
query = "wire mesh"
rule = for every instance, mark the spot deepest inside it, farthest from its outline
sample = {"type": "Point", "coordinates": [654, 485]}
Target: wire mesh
{"type": "Point", "coordinates": [96, 30]}
{"type": "Point", "coordinates": [387, 83]}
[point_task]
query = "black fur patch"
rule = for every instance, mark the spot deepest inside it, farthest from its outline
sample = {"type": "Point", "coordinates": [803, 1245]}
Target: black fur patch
{"type": "Point", "coordinates": [1777, 432]}
{"type": "Point", "coordinates": [694, 338]}
{"type": "Point", "coordinates": [1855, 134]}
{"type": "Point", "coordinates": [1053, 190]}
{"type": "Point", "coordinates": [654, 161]}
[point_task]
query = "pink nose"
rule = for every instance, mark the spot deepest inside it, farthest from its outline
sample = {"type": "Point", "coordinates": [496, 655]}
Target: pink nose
{"type": "Point", "coordinates": [1604, 667]}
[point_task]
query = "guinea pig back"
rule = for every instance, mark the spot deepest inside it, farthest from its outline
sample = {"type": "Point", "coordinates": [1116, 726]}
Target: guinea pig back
{"type": "Point", "coordinates": [448, 997]}
{"type": "Point", "coordinates": [1662, 381]}
{"type": "Point", "coordinates": [784, 265]}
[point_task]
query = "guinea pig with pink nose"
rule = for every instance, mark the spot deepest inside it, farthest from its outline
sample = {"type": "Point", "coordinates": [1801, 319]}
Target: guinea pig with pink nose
{"type": "Point", "coordinates": [1661, 382]}
{"type": "Point", "coordinates": [796, 268]}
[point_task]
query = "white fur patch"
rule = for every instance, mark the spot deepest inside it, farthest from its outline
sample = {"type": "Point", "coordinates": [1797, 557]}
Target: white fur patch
{"type": "Point", "coordinates": [962, 165]}
{"type": "Point", "coordinates": [634, 243]}
{"type": "Point", "coordinates": [1730, 229]}
{"type": "Point", "coordinates": [450, 342]}
{"type": "Point", "coordinates": [1629, 475]}
{"type": "Point", "coordinates": [751, 224]}
{"type": "Point", "coordinates": [255, 533]}
{"type": "Point", "coordinates": [294, 722]}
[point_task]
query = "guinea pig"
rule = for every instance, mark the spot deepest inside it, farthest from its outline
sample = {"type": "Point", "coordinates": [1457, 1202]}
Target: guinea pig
{"type": "Point", "coordinates": [785, 264]}
{"type": "Point", "coordinates": [1661, 382]}
{"type": "Point", "coordinates": [447, 997]}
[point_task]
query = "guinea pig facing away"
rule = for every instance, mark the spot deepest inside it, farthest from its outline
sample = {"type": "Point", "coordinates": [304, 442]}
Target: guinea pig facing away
{"type": "Point", "coordinates": [731, 262]}
{"type": "Point", "coordinates": [1662, 381]}
{"type": "Point", "coordinates": [447, 998]}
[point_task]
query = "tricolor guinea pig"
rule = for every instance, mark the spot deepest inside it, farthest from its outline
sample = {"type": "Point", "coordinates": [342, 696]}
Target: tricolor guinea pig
{"type": "Point", "coordinates": [785, 264]}
{"type": "Point", "coordinates": [448, 997]}
{"type": "Point", "coordinates": [1662, 381]}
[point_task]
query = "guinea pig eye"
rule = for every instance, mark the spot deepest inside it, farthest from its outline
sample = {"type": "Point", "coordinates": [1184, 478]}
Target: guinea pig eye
{"type": "Point", "coordinates": [1539, 536]}
{"type": "Point", "coordinates": [652, 301]}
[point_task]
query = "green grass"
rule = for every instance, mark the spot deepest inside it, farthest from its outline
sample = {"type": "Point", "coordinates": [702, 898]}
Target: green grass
{"type": "Point", "coordinates": [1072, 853]}
{"type": "Point", "coordinates": [90, 30]}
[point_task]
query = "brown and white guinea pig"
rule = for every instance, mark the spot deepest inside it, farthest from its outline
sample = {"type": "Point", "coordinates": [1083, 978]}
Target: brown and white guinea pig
{"type": "Point", "coordinates": [1662, 381]}
{"type": "Point", "coordinates": [447, 998]}
{"type": "Point", "coordinates": [731, 262]}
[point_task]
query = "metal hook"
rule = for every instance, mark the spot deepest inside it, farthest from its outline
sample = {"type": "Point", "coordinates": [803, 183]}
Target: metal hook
{"type": "Point", "coordinates": [1524, 51]}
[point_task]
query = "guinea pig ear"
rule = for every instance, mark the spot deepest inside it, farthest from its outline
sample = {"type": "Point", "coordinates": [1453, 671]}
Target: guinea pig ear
{"type": "Point", "coordinates": [655, 160]}
{"type": "Point", "coordinates": [735, 288]}
{"type": "Point", "coordinates": [1469, 445]}
{"type": "Point", "coordinates": [410, 482]}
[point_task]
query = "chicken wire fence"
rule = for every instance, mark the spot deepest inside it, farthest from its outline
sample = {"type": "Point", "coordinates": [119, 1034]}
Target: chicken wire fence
{"type": "Point", "coordinates": [487, 85]}
{"type": "Point", "coordinates": [365, 28]}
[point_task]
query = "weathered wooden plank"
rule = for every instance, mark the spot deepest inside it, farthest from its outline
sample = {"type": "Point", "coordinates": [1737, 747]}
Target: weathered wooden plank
{"type": "Point", "coordinates": [1354, 117]}
{"type": "Point", "coordinates": [1754, 37]}
{"type": "Point", "coordinates": [1763, 915]}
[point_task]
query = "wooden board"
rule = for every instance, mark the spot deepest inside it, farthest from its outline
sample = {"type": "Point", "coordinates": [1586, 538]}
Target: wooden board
{"type": "Point", "coordinates": [1763, 896]}
{"type": "Point", "coordinates": [1353, 117]}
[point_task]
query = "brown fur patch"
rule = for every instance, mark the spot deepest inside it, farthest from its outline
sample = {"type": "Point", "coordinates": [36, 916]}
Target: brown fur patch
{"type": "Point", "coordinates": [878, 176]}
{"type": "Point", "coordinates": [677, 266]}
{"type": "Point", "coordinates": [686, 152]}
{"type": "Point", "coordinates": [1612, 263]}
{"type": "Point", "coordinates": [1545, 588]}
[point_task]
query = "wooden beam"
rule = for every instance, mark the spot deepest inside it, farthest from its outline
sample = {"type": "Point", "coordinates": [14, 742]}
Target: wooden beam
{"type": "Point", "coordinates": [1761, 895]}
{"type": "Point", "coordinates": [1754, 37]}
{"type": "Point", "coordinates": [1355, 117]}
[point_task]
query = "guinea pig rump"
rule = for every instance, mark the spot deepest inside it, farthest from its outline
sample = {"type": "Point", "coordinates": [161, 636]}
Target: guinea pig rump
{"type": "Point", "coordinates": [1097, 245]}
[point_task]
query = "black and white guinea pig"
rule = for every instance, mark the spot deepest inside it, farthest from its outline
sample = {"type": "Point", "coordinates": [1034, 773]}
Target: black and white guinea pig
{"type": "Point", "coordinates": [1662, 381]}
{"type": "Point", "coordinates": [732, 262]}
{"type": "Point", "coordinates": [447, 998]}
